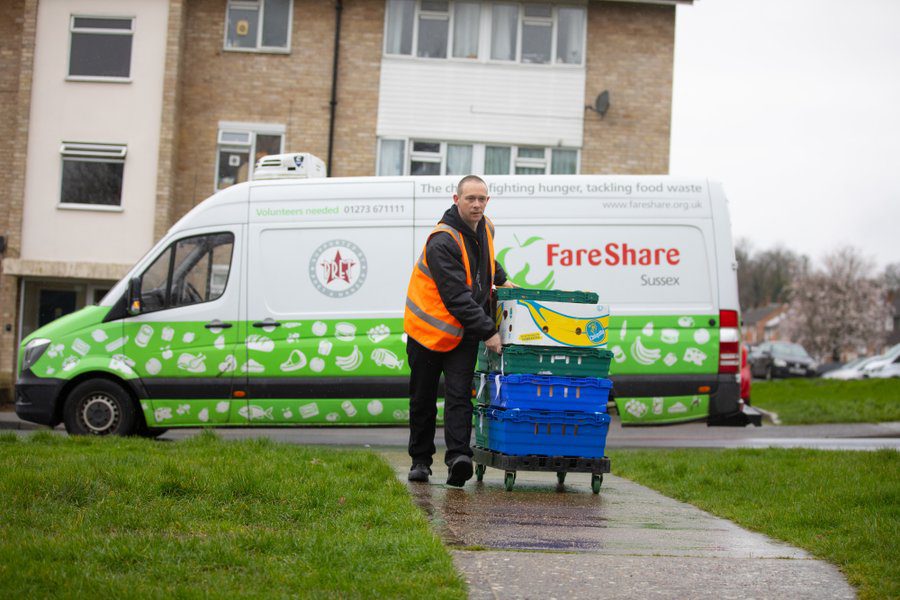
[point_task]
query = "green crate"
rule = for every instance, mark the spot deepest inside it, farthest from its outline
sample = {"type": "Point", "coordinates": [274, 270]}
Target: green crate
{"type": "Point", "coordinates": [546, 360]}
{"type": "Point", "coordinates": [547, 295]}
{"type": "Point", "coordinates": [481, 427]}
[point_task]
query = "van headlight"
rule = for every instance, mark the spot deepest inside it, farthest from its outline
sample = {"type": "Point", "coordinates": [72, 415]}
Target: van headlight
{"type": "Point", "coordinates": [779, 362]}
{"type": "Point", "coordinates": [34, 349]}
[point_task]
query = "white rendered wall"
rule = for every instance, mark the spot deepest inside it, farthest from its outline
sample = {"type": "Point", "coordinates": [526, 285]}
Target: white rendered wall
{"type": "Point", "coordinates": [85, 111]}
{"type": "Point", "coordinates": [450, 100]}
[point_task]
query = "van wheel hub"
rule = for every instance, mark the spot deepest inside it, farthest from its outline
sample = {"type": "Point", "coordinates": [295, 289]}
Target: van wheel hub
{"type": "Point", "coordinates": [100, 413]}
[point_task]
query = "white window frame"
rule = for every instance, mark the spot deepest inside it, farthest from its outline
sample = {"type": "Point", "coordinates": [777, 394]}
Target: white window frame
{"type": "Point", "coordinates": [260, 5]}
{"type": "Point", "coordinates": [478, 155]}
{"type": "Point", "coordinates": [484, 35]}
{"type": "Point", "coordinates": [100, 31]}
{"type": "Point", "coordinates": [91, 152]}
{"type": "Point", "coordinates": [251, 130]}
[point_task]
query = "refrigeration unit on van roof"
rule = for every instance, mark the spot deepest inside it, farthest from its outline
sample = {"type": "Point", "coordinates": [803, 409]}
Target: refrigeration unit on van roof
{"type": "Point", "coordinates": [295, 165]}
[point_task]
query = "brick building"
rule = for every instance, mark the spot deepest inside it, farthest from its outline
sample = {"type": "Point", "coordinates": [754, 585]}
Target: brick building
{"type": "Point", "coordinates": [126, 113]}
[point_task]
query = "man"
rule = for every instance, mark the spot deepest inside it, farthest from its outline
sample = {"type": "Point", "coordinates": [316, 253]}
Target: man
{"type": "Point", "coordinates": [447, 314]}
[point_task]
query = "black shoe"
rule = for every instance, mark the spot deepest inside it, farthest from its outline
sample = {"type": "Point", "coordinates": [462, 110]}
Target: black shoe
{"type": "Point", "coordinates": [460, 471]}
{"type": "Point", "coordinates": [419, 472]}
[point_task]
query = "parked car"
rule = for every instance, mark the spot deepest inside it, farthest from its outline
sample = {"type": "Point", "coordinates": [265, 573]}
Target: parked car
{"type": "Point", "coordinates": [883, 360]}
{"type": "Point", "coordinates": [851, 370]}
{"type": "Point", "coordinates": [891, 369]}
{"type": "Point", "coordinates": [746, 376]}
{"type": "Point", "coordinates": [782, 359]}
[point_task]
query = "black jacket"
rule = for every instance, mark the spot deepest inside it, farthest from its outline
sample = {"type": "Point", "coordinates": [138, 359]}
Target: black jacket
{"type": "Point", "coordinates": [470, 305]}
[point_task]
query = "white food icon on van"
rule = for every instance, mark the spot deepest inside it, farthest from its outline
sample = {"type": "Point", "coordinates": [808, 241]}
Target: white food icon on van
{"type": "Point", "coordinates": [385, 358]}
{"type": "Point", "coordinates": [344, 331]}
{"type": "Point", "coordinates": [379, 333]}
{"type": "Point", "coordinates": [192, 363]}
{"type": "Point", "coordinates": [228, 365]}
{"type": "Point", "coordinates": [287, 413]}
{"type": "Point", "coordinates": [676, 408]}
{"type": "Point", "coordinates": [253, 412]}
{"type": "Point", "coordinates": [153, 366]}
{"type": "Point", "coordinates": [223, 405]}
{"type": "Point", "coordinates": [183, 409]}
{"type": "Point", "coordinates": [375, 407]}
{"type": "Point", "coordinates": [325, 347]}
{"type": "Point", "coordinates": [203, 415]}
{"type": "Point", "coordinates": [701, 336]}
{"type": "Point", "coordinates": [350, 362]}
{"type": "Point", "coordinates": [188, 337]}
{"type": "Point", "coordinates": [50, 370]}
{"type": "Point", "coordinates": [332, 417]}
{"type": "Point", "coordinates": [143, 336]}
{"type": "Point", "coordinates": [348, 408]}
{"type": "Point", "coordinates": [162, 414]}
{"type": "Point", "coordinates": [686, 321]}
{"type": "Point", "coordinates": [694, 355]}
{"type": "Point", "coordinates": [55, 350]}
{"type": "Point", "coordinates": [219, 343]}
{"type": "Point", "coordinates": [122, 364]}
{"type": "Point", "coordinates": [642, 354]}
{"type": "Point", "coordinates": [319, 328]}
{"type": "Point", "coordinates": [116, 344]}
{"type": "Point", "coordinates": [99, 335]}
{"type": "Point", "coordinates": [296, 360]}
{"type": "Point", "coordinates": [293, 338]}
{"type": "Point", "coordinates": [317, 364]}
{"type": "Point", "coordinates": [307, 411]}
{"type": "Point", "coordinates": [260, 343]}
{"type": "Point", "coordinates": [167, 334]}
{"type": "Point", "coordinates": [618, 354]}
{"type": "Point", "coordinates": [669, 336]}
{"type": "Point", "coordinates": [635, 408]}
{"type": "Point", "coordinates": [166, 352]}
{"type": "Point", "coordinates": [79, 346]}
{"type": "Point", "coordinates": [292, 325]}
{"type": "Point", "coordinates": [251, 366]}
{"type": "Point", "coordinates": [648, 329]}
{"type": "Point", "coordinates": [69, 363]}
{"type": "Point", "coordinates": [624, 329]}
{"type": "Point", "coordinates": [670, 359]}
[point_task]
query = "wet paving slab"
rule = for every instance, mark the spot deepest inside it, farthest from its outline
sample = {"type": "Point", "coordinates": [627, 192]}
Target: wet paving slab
{"type": "Point", "coordinates": [542, 540]}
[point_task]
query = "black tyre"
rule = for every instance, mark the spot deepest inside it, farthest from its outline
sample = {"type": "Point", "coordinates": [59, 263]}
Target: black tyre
{"type": "Point", "coordinates": [99, 407]}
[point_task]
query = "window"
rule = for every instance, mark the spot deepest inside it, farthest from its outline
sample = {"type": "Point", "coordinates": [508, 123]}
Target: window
{"type": "Point", "coordinates": [526, 32]}
{"type": "Point", "coordinates": [92, 174]}
{"type": "Point", "coordinates": [190, 271]}
{"type": "Point", "coordinates": [258, 25]}
{"type": "Point", "coordinates": [451, 158]}
{"type": "Point", "coordinates": [237, 143]}
{"type": "Point", "coordinates": [100, 48]}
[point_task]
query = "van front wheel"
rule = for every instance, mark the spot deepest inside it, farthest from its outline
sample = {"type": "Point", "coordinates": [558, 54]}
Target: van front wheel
{"type": "Point", "coordinates": [99, 407]}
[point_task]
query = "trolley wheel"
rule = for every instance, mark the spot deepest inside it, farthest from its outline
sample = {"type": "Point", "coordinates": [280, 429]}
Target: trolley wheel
{"type": "Point", "coordinates": [596, 482]}
{"type": "Point", "coordinates": [509, 480]}
{"type": "Point", "coordinates": [561, 477]}
{"type": "Point", "coordinates": [479, 472]}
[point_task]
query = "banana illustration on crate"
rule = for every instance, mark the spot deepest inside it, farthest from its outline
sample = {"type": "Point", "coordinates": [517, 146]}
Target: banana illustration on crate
{"type": "Point", "coordinates": [566, 329]}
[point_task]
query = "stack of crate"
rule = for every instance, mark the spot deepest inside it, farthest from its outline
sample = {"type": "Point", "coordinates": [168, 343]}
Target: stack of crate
{"type": "Point", "coordinates": [547, 393]}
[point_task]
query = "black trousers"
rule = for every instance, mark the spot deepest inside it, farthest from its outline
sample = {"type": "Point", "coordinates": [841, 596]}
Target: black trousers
{"type": "Point", "coordinates": [426, 366]}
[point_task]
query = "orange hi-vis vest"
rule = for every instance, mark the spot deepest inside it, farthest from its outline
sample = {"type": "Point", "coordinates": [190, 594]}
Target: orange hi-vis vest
{"type": "Point", "coordinates": [425, 318]}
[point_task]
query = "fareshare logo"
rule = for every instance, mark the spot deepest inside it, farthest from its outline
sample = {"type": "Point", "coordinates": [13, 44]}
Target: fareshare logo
{"type": "Point", "coordinates": [515, 261]}
{"type": "Point", "coordinates": [338, 268]}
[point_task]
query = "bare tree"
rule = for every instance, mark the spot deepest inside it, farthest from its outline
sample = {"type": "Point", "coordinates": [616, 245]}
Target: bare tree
{"type": "Point", "coordinates": [764, 277]}
{"type": "Point", "coordinates": [839, 308]}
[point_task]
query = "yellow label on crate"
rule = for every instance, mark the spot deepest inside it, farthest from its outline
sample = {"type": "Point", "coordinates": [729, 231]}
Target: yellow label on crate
{"type": "Point", "coordinates": [530, 337]}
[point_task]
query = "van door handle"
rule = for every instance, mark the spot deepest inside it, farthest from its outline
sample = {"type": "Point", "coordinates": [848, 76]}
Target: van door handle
{"type": "Point", "coordinates": [268, 322]}
{"type": "Point", "coordinates": [217, 324]}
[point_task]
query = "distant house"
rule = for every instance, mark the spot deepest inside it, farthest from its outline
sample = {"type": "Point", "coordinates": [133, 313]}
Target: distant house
{"type": "Point", "coordinates": [761, 324]}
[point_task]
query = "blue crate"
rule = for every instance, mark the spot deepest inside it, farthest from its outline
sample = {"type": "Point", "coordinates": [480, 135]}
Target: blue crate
{"type": "Point", "coordinates": [542, 433]}
{"type": "Point", "coordinates": [548, 392]}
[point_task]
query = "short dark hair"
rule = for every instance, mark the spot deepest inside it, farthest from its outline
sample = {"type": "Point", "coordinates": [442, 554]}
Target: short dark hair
{"type": "Point", "coordinates": [466, 179]}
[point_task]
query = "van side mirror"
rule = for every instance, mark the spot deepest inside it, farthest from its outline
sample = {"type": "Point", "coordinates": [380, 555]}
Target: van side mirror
{"type": "Point", "coordinates": [134, 296]}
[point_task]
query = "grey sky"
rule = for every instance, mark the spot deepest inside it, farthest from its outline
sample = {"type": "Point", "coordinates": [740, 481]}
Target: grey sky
{"type": "Point", "coordinates": [795, 106]}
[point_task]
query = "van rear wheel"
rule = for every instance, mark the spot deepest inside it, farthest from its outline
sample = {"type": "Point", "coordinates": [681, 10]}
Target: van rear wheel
{"type": "Point", "coordinates": [99, 407]}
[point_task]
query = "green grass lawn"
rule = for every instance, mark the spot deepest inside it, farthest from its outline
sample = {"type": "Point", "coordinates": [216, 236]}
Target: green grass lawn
{"type": "Point", "coordinates": [111, 518]}
{"type": "Point", "coordinates": [808, 401]}
{"type": "Point", "coordinates": [843, 507]}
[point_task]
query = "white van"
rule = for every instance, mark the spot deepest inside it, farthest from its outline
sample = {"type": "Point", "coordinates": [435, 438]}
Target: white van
{"type": "Point", "coordinates": [280, 302]}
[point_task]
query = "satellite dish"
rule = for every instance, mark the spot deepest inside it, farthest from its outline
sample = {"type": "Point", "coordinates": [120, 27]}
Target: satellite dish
{"type": "Point", "coordinates": [601, 104]}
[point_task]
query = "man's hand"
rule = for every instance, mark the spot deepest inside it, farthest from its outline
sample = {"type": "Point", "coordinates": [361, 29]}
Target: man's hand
{"type": "Point", "coordinates": [493, 344]}
{"type": "Point", "coordinates": [508, 284]}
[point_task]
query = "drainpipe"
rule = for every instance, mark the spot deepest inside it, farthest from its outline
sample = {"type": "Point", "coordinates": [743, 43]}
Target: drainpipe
{"type": "Point", "coordinates": [338, 7]}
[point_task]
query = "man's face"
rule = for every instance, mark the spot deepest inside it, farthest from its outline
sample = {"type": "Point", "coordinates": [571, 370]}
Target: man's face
{"type": "Point", "coordinates": [472, 202]}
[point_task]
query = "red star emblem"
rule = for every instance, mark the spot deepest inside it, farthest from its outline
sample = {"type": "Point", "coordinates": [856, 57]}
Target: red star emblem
{"type": "Point", "coordinates": [337, 268]}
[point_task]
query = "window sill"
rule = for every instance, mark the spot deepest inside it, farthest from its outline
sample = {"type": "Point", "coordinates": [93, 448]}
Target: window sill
{"type": "Point", "coordinates": [98, 79]}
{"type": "Point", "coordinates": [476, 61]}
{"type": "Point", "coordinates": [90, 207]}
{"type": "Point", "coordinates": [258, 50]}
